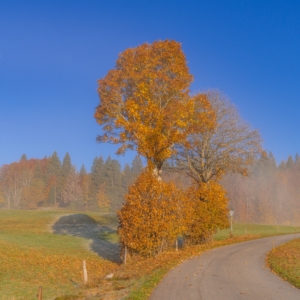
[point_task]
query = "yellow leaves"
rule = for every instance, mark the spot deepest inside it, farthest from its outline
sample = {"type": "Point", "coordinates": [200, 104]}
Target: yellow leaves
{"type": "Point", "coordinates": [205, 211]}
{"type": "Point", "coordinates": [147, 94]}
{"type": "Point", "coordinates": [149, 219]}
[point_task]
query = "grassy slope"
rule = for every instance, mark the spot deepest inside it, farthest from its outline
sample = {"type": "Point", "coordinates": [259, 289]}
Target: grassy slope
{"type": "Point", "coordinates": [32, 256]}
{"type": "Point", "coordinates": [285, 261]}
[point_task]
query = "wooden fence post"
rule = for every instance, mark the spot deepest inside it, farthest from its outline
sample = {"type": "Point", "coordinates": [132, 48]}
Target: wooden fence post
{"type": "Point", "coordinates": [85, 275]}
{"type": "Point", "coordinates": [40, 295]}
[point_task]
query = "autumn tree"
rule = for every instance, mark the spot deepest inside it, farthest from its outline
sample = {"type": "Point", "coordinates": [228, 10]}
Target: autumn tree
{"type": "Point", "coordinates": [150, 219]}
{"type": "Point", "coordinates": [206, 210]}
{"type": "Point", "coordinates": [145, 103]}
{"type": "Point", "coordinates": [230, 146]}
{"type": "Point", "coordinates": [72, 192]}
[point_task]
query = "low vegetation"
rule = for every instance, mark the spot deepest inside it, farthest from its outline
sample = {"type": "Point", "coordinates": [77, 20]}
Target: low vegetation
{"type": "Point", "coordinates": [285, 261]}
{"type": "Point", "coordinates": [31, 255]}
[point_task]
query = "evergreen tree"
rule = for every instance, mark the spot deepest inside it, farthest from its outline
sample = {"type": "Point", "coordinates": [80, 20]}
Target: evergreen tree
{"type": "Point", "coordinates": [290, 163]}
{"type": "Point", "coordinates": [66, 169]}
{"type": "Point", "coordinates": [137, 166]}
{"type": "Point", "coordinates": [52, 179]}
{"type": "Point", "coordinates": [23, 157]}
{"type": "Point", "coordinates": [54, 166]}
{"type": "Point", "coordinates": [96, 179]}
{"type": "Point", "coordinates": [82, 171]}
{"type": "Point", "coordinates": [127, 177]}
{"type": "Point", "coordinates": [114, 187]}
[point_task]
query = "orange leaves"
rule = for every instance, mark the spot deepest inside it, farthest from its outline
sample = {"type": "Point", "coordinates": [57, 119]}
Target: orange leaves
{"type": "Point", "coordinates": [205, 211]}
{"type": "Point", "coordinates": [145, 102]}
{"type": "Point", "coordinates": [149, 219]}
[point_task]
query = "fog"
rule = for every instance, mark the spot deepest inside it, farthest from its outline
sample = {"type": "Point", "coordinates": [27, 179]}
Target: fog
{"type": "Point", "coordinates": [270, 194]}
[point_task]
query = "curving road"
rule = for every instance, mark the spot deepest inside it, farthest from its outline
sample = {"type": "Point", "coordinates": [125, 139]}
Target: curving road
{"type": "Point", "coordinates": [235, 272]}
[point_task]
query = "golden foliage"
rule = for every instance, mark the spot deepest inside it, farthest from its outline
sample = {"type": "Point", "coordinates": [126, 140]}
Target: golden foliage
{"type": "Point", "coordinates": [206, 210]}
{"type": "Point", "coordinates": [145, 102]}
{"type": "Point", "coordinates": [150, 217]}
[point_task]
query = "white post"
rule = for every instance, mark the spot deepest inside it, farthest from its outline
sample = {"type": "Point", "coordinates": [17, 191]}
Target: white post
{"type": "Point", "coordinates": [85, 275]}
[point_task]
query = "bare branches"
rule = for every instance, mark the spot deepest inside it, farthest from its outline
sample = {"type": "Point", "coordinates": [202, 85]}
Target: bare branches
{"type": "Point", "coordinates": [230, 146]}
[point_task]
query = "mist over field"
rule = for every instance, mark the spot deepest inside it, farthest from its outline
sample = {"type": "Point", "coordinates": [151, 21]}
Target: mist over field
{"type": "Point", "coordinates": [270, 194]}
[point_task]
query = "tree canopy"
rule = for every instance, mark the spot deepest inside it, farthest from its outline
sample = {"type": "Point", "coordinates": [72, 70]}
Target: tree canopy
{"type": "Point", "coordinates": [145, 101]}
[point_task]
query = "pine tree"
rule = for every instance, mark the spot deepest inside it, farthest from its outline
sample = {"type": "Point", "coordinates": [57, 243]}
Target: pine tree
{"type": "Point", "coordinates": [52, 175]}
{"type": "Point", "coordinates": [113, 179]}
{"type": "Point", "coordinates": [136, 166]}
{"type": "Point", "coordinates": [127, 177]}
{"type": "Point", "coordinates": [96, 180]}
{"type": "Point", "coordinates": [23, 157]}
{"type": "Point", "coordinates": [82, 171]}
{"type": "Point", "coordinates": [66, 169]}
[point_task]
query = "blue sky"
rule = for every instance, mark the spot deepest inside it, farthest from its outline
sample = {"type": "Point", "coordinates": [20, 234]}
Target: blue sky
{"type": "Point", "coordinates": [53, 52]}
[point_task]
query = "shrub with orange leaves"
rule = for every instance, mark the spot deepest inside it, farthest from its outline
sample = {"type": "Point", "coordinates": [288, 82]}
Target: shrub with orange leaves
{"type": "Point", "coordinates": [206, 210]}
{"type": "Point", "coordinates": [150, 219]}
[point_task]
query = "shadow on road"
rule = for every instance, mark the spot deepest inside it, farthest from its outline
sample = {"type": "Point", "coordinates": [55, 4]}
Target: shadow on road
{"type": "Point", "coordinates": [86, 227]}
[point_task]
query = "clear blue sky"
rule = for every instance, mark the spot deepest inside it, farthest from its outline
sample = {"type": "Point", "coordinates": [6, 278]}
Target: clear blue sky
{"type": "Point", "coordinates": [52, 53]}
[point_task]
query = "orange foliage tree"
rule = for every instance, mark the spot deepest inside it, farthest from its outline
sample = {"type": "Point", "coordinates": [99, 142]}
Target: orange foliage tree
{"type": "Point", "coordinates": [145, 105]}
{"type": "Point", "coordinates": [206, 210]}
{"type": "Point", "coordinates": [151, 218]}
{"type": "Point", "coordinates": [145, 102]}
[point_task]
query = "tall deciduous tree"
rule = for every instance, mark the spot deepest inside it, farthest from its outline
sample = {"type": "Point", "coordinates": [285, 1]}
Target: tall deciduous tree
{"type": "Point", "coordinates": [72, 192]}
{"type": "Point", "coordinates": [145, 102]}
{"type": "Point", "coordinates": [231, 145]}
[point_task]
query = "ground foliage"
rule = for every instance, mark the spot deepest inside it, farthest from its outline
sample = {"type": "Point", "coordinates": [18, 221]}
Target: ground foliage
{"type": "Point", "coordinates": [285, 261]}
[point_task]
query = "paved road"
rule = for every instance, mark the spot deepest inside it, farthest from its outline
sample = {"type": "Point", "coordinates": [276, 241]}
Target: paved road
{"type": "Point", "coordinates": [235, 272]}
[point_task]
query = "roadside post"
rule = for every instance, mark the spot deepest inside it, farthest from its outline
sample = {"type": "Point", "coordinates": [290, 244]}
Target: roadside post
{"type": "Point", "coordinates": [231, 212]}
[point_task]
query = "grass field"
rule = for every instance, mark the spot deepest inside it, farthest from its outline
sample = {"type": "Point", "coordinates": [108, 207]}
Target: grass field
{"type": "Point", "coordinates": [285, 261]}
{"type": "Point", "coordinates": [32, 255]}
{"type": "Point", "coordinates": [255, 229]}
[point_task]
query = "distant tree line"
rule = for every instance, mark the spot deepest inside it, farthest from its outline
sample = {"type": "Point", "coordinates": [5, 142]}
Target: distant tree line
{"type": "Point", "coordinates": [48, 182]}
{"type": "Point", "coordinates": [270, 194]}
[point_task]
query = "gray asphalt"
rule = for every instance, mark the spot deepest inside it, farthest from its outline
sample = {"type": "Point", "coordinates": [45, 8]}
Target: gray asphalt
{"type": "Point", "coordinates": [234, 272]}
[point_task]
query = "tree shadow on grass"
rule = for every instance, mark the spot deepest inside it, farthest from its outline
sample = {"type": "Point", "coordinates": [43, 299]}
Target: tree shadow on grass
{"type": "Point", "coordinates": [81, 225]}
